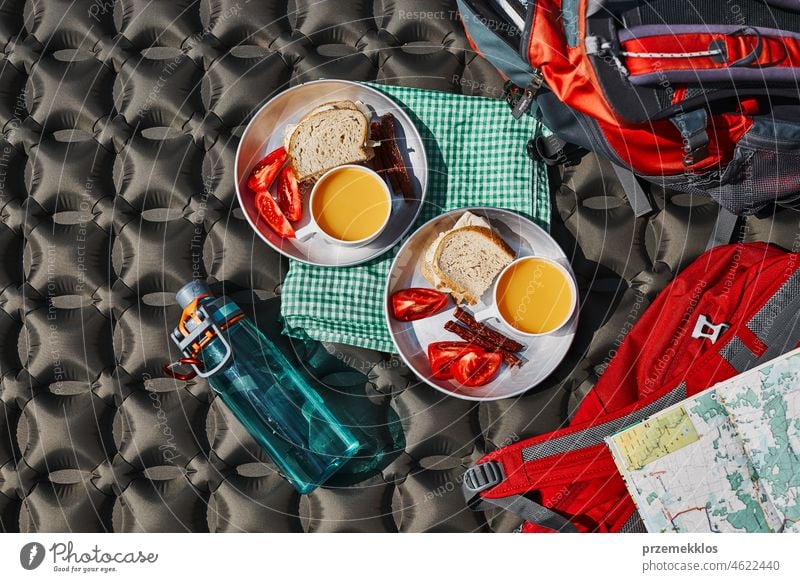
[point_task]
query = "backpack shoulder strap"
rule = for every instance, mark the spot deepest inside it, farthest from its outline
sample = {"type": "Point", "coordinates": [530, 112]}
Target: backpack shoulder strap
{"type": "Point", "coordinates": [503, 476]}
{"type": "Point", "coordinates": [724, 228]}
{"type": "Point", "coordinates": [483, 476]}
{"type": "Point", "coordinates": [637, 197]}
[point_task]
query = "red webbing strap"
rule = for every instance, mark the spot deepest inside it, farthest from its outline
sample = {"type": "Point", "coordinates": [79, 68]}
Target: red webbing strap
{"type": "Point", "coordinates": [748, 47]}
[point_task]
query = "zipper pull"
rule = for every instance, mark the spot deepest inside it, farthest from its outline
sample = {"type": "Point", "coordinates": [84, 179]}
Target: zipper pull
{"type": "Point", "coordinates": [597, 46]}
{"type": "Point", "coordinates": [523, 104]}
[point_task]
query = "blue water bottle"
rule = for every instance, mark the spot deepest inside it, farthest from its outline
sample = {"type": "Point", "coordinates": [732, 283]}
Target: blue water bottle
{"type": "Point", "coordinates": [268, 395]}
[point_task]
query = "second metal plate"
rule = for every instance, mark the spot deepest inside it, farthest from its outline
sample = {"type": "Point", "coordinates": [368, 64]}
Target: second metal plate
{"type": "Point", "coordinates": [542, 354]}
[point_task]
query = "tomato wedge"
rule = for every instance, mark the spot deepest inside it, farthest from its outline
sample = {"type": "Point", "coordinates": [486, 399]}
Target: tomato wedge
{"type": "Point", "coordinates": [289, 195]}
{"type": "Point", "coordinates": [265, 172]}
{"type": "Point", "coordinates": [476, 369]}
{"type": "Point", "coordinates": [270, 213]}
{"type": "Point", "coordinates": [442, 356]}
{"type": "Point", "coordinates": [417, 303]}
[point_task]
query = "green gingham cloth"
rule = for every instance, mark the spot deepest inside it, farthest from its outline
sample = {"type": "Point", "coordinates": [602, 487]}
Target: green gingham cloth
{"type": "Point", "coordinates": [482, 162]}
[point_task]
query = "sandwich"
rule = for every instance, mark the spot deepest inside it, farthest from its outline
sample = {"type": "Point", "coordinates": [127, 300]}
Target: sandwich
{"type": "Point", "coordinates": [465, 260]}
{"type": "Point", "coordinates": [331, 135]}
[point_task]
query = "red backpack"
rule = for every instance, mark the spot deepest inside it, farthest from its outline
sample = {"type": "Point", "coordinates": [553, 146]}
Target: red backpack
{"type": "Point", "coordinates": [699, 96]}
{"type": "Point", "coordinates": [734, 308]}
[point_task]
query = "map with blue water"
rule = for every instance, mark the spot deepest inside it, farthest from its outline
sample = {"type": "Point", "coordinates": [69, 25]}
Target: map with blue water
{"type": "Point", "coordinates": [725, 460]}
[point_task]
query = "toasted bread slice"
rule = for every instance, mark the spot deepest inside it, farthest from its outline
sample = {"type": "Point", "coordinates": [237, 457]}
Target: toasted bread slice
{"type": "Point", "coordinates": [334, 135]}
{"type": "Point", "coordinates": [468, 259]}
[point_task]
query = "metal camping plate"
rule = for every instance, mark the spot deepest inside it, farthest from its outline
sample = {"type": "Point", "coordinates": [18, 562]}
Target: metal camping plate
{"type": "Point", "coordinates": [265, 133]}
{"type": "Point", "coordinates": [542, 354]}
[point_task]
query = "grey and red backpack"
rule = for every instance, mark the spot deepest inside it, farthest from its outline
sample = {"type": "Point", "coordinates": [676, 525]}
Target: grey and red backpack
{"type": "Point", "coordinates": [700, 96]}
{"type": "Point", "coordinates": [735, 307]}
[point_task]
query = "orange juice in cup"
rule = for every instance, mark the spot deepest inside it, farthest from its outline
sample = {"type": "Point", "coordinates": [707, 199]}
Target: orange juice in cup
{"type": "Point", "coordinates": [533, 296]}
{"type": "Point", "coordinates": [350, 205]}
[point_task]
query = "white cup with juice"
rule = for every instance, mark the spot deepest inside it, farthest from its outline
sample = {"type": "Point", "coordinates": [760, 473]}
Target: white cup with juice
{"type": "Point", "coordinates": [533, 296]}
{"type": "Point", "coordinates": [349, 206]}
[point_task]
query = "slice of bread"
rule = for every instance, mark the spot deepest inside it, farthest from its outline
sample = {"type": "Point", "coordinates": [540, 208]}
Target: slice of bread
{"type": "Point", "coordinates": [468, 259]}
{"type": "Point", "coordinates": [466, 219]}
{"type": "Point", "coordinates": [331, 135]}
{"type": "Point", "coordinates": [288, 131]}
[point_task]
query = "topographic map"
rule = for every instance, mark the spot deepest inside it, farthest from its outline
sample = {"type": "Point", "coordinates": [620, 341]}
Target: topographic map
{"type": "Point", "coordinates": [725, 460]}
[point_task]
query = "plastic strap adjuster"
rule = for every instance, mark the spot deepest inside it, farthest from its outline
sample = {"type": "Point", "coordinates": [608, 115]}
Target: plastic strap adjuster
{"type": "Point", "coordinates": [693, 127]}
{"type": "Point", "coordinates": [480, 478]}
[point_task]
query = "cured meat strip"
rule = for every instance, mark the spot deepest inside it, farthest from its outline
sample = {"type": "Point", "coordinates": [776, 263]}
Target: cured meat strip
{"type": "Point", "coordinates": [487, 332]}
{"type": "Point", "coordinates": [470, 336]}
{"type": "Point", "coordinates": [397, 165]}
{"type": "Point", "coordinates": [382, 160]}
{"type": "Point", "coordinates": [383, 157]}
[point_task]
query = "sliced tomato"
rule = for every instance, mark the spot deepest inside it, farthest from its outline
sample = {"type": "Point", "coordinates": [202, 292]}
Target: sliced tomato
{"type": "Point", "coordinates": [289, 195]}
{"type": "Point", "coordinates": [417, 303]}
{"type": "Point", "coordinates": [270, 213]}
{"type": "Point", "coordinates": [476, 369]}
{"type": "Point", "coordinates": [442, 356]}
{"type": "Point", "coordinates": [265, 172]}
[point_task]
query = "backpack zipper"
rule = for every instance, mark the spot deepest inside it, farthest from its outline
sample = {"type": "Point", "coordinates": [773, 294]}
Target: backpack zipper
{"type": "Point", "coordinates": [600, 47]}
{"type": "Point", "coordinates": [526, 100]}
{"type": "Point", "coordinates": [529, 92]}
{"type": "Point", "coordinates": [525, 33]}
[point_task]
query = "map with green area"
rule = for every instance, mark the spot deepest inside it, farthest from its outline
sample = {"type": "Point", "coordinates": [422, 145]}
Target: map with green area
{"type": "Point", "coordinates": [725, 460]}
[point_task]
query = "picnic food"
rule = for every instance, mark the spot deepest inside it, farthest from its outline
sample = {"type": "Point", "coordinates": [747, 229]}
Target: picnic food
{"type": "Point", "coordinates": [276, 214]}
{"type": "Point", "coordinates": [426, 267]}
{"type": "Point", "coordinates": [350, 203]}
{"type": "Point", "coordinates": [388, 161]}
{"type": "Point", "coordinates": [442, 356]}
{"type": "Point", "coordinates": [270, 212]}
{"type": "Point", "coordinates": [289, 195]}
{"type": "Point", "coordinates": [331, 135]}
{"type": "Point", "coordinates": [487, 332]}
{"type": "Point", "coordinates": [467, 363]}
{"type": "Point", "coordinates": [352, 206]}
{"type": "Point", "coordinates": [468, 260]}
{"type": "Point", "coordinates": [476, 368]}
{"type": "Point", "coordinates": [473, 337]}
{"type": "Point", "coordinates": [416, 303]}
{"type": "Point", "coordinates": [265, 171]}
{"type": "Point", "coordinates": [534, 296]}
{"type": "Point", "coordinates": [465, 260]}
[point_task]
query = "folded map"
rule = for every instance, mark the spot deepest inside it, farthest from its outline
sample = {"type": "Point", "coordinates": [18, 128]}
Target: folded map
{"type": "Point", "coordinates": [724, 460]}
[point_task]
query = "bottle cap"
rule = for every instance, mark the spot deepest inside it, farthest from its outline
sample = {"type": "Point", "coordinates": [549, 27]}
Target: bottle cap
{"type": "Point", "coordinates": [191, 291]}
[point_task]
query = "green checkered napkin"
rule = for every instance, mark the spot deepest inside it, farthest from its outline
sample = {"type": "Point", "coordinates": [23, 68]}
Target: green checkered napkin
{"type": "Point", "coordinates": [481, 162]}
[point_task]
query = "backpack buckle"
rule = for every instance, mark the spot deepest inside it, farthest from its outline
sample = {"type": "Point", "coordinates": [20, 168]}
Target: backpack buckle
{"type": "Point", "coordinates": [704, 328]}
{"type": "Point", "coordinates": [480, 478]}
